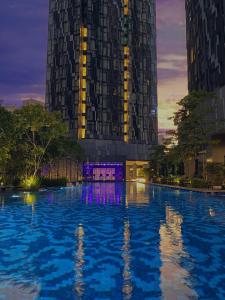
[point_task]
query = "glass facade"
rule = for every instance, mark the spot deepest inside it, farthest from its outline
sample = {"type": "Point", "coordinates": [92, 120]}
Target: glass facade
{"type": "Point", "coordinates": [101, 68]}
{"type": "Point", "coordinates": [205, 44]}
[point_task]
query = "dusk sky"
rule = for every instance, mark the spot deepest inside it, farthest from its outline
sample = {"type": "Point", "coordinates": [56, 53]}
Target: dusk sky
{"type": "Point", "coordinates": [23, 42]}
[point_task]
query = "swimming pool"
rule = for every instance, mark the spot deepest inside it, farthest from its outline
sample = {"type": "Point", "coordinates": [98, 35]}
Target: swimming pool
{"type": "Point", "coordinates": [112, 241]}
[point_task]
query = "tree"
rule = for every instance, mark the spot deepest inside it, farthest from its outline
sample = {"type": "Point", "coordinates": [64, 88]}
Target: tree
{"type": "Point", "coordinates": [38, 130]}
{"type": "Point", "coordinates": [30, 138]}
{"type": "Point", "coordinates": [158, 160]}
{"type": "Point", "coordinates": [193, 125]}
{"type": "Point", "coordinates": [8, 139]}
{"type": "Point", "coordinates": [65, 147]}
{"type": "Point", "coordinates": [215, 173]}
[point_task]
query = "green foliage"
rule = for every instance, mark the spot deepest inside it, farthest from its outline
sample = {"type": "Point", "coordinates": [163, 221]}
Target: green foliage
{"type": "Point", "coordinates": [158, 159]}
{"type": "Point", "coordinates": [199, 183]}
{"type": "Point", "coordinates": [170, 180]}
{"type": "Point", "coordinates": [148, 173]}
{"type": "Point", "coordinates": [38, 129]}
{"type": "Point", "coordinates": [30, 138]}
{"type": "Point", "coordinates": [215, 173]}
{"type": "Point", "coordinates": [193, 125]}
{"type": "Point", "coordinates": [31, 183]}
{"type": "Point", "coordinates": [165, 160]}
{"type": "Point", "coordinates": [185, 182]}
{"type": "Point", "coordinates": [47, 182]}
{"type": "Point", "coordinates": [65, 148]}
{"type": "Point", "coordinates": [8, 140]}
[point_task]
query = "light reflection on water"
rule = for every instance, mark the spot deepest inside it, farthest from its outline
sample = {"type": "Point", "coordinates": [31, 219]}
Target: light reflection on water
{"type": "Point", "coordinates": [79, 282]}
{"type": "Point", "coordinates": [112, 241]}
{"type": "Point", "coordinates": [127, 284]}
{"type": "Point", "coordinates": [114, 193]}
{"type": "Point", "coordinates": [103, 193]}
{"type": "Point", "coordinates": [174, 278]}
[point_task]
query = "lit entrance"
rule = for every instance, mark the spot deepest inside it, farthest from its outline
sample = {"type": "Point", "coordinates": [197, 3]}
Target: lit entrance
{"type": "Point", "coordinates": [135, 170]}
{"type": "Point", "coordinates": [103, 171]}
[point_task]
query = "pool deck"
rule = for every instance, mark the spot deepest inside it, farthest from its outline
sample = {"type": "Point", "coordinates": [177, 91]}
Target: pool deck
{"type": "Point", "coordinates": [176, 187]}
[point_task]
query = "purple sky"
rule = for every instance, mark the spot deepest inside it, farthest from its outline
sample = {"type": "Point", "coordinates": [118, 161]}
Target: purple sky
{"type": "Point", "coordinates": [23, 41]}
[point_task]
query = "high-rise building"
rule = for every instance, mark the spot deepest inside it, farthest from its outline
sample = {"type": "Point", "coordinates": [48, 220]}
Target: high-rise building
{"type": "Point", "coordinates": [101, 75]}
{"type": "Point", "coordinates": [206, 44]}
{"type": "Point", "coordinates": [206, 60]}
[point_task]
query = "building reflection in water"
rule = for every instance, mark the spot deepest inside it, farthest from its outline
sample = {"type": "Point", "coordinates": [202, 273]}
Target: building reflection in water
{"type": "Point", "coordinates": [103, 193]}
{"type": "Point", "coordinates": [127, 283]}
{"type": "Point", "coordinates": [137, 193]}
{"type": "Point", "coordinates": [79, 283]}
{"type": "Point", "coordinates": [175, 283]}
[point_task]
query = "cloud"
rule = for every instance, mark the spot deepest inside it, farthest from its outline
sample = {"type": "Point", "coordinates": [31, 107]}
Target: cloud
{"type": "Point", "coordinates": [23, 41]}
{"type": "Point", "coordinates": [169, 93]}
{"type": "Point", "coordinates": [172, 61]}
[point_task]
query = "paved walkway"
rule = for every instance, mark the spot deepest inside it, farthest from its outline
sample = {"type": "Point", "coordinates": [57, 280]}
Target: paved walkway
{"type": "Point", "coordinates": [208, 191]}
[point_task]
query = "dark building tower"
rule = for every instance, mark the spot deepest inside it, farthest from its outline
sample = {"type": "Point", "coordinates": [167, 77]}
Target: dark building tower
{"type": "Point", "coordinates": [101, 74]}
{"type": "Point", "coordinates": [206, 44]}
{"type": "Point", "coordinates": [206, 60]}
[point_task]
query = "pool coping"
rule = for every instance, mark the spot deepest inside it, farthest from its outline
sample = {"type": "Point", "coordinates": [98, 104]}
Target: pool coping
{"type": "Point", "coordinates": [196, 190]}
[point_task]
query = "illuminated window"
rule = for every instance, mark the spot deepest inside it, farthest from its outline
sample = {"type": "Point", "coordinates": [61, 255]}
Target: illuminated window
{"type": "Point", "coordinates": [83, 84]}
{"type": "Point", "coordinates": [83, 46]}
{"type": "Point", "coordinates": [83, 96]}
{"type": "Point", "coordinates": [126, 62]}
{"type": "Point", "coordinates": [126, 50]}
{"type": "Point", "coordinates": [126, 75]}
{"type": "Point", "coordinates": [126, 78]}
{"type": "Point", "coordinates": [83, 133]}
{"type": "Point", "coordinates": [83, 59]}
{"type": "Point", "coordinates": [84, 72]}
{"type": "Point", "coordinates": [83, 31]}
{"type": "Point", "coordinates": [83, 108]}
{"type": "Point", "coordinates": [192, 55]}
{"type": "Point", "coordinates": [83, 122]}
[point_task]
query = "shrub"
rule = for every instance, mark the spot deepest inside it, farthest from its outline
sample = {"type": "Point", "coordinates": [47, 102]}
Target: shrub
{"type": "Point", "coordinates": [164, 180]}
{"type": "Point", "coordinates": [47, 182]}
{"type": "Point", "coordinates": [199, 183]}
{"type": "Point", "coordinates": [31, 183]}
{"type": "Point", "coordinates": [185, 181]}
{"type": "Point", "coordinates": [156, 179]}
{"type": "Point", "coordinates": [171, 180]}
{"type": "Point", "coordinates": [215, 172]}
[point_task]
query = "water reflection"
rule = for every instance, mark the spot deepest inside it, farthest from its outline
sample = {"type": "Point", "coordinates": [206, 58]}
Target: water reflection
{"type": "Point", "coordinates": [30, 199]}
{"type": "Point", "coordinates": [2, 202]}
{"type": "Point", "coordinates": [116, 193]}
{"type": "Point", "coordinates": [15, 291]}
{"type": "Point", "coordinates": [137, 193]}
{"type": "Point", "coordinates": [103, 193]}
{"type": "Point", "coordinates": [175, 280]}
{"type": "Point", "coordinates": [79, 281]}
{"type": "Point", "coordinates": [127, 284]}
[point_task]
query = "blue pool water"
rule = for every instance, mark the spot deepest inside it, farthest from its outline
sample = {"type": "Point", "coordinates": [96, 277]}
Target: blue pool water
{"type": "Point", "coordinates": [112, 241]}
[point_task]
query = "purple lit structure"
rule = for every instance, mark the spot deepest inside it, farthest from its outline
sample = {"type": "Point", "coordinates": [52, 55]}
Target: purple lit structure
{"type": "Point", "coordinates": [103, 171]}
